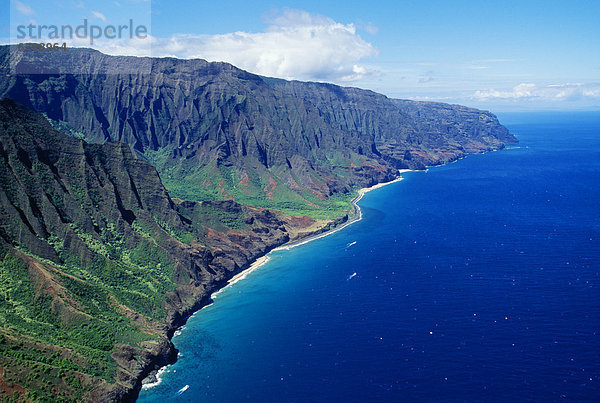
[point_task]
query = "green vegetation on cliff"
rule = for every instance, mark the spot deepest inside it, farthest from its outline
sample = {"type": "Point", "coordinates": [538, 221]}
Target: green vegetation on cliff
{"type": "Point", "coordinates": [215, 132]}
{"type": "Point", "coordinates": [96, 260]}
{"type": "Point", "coordinates": [126, 200]}
{"type": "Point", "coordinates": [217, 182]}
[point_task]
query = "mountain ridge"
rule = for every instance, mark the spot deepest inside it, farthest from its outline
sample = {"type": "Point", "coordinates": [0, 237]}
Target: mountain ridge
{"type": "Point", "coordinates": [240, 164]}
{"type": "Point", "coordinates": [92, 244]}
{"type": "Point", "coordinates": [213, 123]}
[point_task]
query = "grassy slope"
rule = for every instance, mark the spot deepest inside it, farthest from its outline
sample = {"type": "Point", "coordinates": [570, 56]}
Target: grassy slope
{"type": "Point", "coordinates": [59, 329]}
{"type": "Point", "coordinates": [258, 187]}
{"type": "Point", "coordinates": [60, 323]}
{"type": "Point", "coordinates": [63, 319]}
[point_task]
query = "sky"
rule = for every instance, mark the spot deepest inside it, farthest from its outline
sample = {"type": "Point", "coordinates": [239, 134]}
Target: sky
{"type": "Point", "coordinates": [496, 55]}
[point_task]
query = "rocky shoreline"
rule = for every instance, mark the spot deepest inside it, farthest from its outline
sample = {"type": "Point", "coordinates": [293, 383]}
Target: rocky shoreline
{"type": "Point", "coordinates": [91, 206]}
{"type": "Point", "coordinates": [166, 354]}
{"type": "Point", "coordinates": [160, 358]}
{"type": "Point", "coordinates": [151, 373]}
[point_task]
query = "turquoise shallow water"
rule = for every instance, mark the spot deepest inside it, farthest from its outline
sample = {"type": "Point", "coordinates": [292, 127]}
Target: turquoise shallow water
{"type": "Point", "coordinates": [479, 280]}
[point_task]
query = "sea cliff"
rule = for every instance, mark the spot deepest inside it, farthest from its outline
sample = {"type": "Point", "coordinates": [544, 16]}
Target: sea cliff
{"type": "Point", "coordinates": [127, 200]}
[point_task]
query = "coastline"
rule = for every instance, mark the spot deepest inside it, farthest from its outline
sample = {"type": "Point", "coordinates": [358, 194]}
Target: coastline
{"type": "Point", "coordinates": [151, 377]}
{"type": "Point", "coordinates": [287, 246]}
{"type": "Point", "coordinates": [154, 378]}
{"type": "Point", "coordinates": [356, 217]}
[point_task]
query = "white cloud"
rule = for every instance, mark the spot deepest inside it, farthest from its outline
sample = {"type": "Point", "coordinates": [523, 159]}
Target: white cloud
{"type": "Point", "coordinates": [99, 15]}
{"type": "Point", "coordinates": [23, 8]}
{"type": "Point", "coordinates": [426, 77]}
{"type": "Point", "coordinates": [296, 45]}
{"type": "Point", "coordinates": [495, 60]}
{"type": "Point", "coordinates": [552, 92]}
{"type": "Point", "coordinates": [432, 99]}
{"type": "Point", "coordinates": [370, 28]}
{"type": "Point", "coordinates": [523, 90]}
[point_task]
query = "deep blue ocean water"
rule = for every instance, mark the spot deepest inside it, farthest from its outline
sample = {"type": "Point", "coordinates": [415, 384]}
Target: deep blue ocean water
{"type": "Point", "coordinates": [477, 281]}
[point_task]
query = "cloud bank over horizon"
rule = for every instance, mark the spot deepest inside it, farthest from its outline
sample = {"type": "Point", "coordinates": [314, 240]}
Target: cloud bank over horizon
{"type": "Point", "coordinates": [551, 92]}
{"type": "Point", "coordinates": [527, 96]}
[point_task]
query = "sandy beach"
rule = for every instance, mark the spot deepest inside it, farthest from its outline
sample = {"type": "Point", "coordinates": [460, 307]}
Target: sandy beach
{"type": "Point", "coordinates": [264, 259]}
{"type": "Point", "coordinates": [362, 191]}
{"type": "Point", "coordinates": [357, 214]}
{"type": "Point", "coordinates": [357, 217]}
{"type": "Point", "coordinates": [255, 265]}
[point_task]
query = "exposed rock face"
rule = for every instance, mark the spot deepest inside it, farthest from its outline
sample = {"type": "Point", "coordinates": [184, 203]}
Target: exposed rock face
{"type": "Point", "coordinates": [96, 215]}
{"type": "Point", "coordinates": [101, 240]}
{"type": "Point", "coordinates": [315, 136]}
{"type": "Point", "coordinates": [408, 134]}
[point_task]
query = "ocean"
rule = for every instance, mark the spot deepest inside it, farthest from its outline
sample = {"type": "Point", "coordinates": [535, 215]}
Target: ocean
{"type": "Point", "coordinates": [474, 281]}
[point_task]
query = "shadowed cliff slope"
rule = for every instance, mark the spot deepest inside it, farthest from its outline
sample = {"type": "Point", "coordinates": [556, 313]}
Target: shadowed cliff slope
{"type": "Point", "coordinates": [98, 263]}
{"type": "Point", "coordinates": [217, 132]}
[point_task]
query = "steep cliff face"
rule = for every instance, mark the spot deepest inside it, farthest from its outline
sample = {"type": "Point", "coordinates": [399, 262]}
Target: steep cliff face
{"type": "Point", "coordinates": [408, 134]}
{"type": "Point", "coordinates": [98, 263]}
{"type": "Point", "coordinates": [254, 139]}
